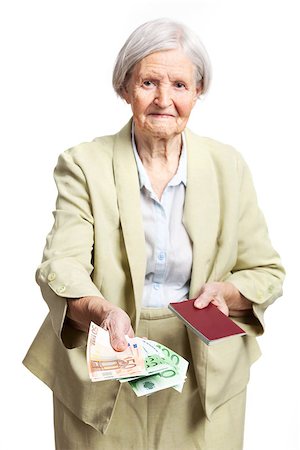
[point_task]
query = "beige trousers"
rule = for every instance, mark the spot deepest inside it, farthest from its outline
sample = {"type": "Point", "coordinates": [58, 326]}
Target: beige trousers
{"type": "Point", "coordinates": [164, 420]}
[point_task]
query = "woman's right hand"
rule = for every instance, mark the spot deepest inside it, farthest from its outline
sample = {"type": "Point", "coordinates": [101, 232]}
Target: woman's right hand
{"type": "Point", "coordinates": [81, 311]}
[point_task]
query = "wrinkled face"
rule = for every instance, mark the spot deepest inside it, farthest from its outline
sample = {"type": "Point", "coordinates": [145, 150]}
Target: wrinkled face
{"type": "Point", "coordinates": [162, 92]}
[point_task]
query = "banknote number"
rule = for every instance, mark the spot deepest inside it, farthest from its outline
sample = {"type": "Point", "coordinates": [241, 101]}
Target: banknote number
{"type": "Point", "coordinates": [172, 357]}
{"type": "Point", "coordinates": [152, 361]}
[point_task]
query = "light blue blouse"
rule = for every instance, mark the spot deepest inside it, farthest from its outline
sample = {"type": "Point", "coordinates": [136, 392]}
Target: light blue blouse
{"type": "Point", "coordinates": [168, 246]}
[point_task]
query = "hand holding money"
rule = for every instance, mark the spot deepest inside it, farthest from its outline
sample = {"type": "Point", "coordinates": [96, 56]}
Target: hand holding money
{"type": "Point", "coordinates": [117, 323]}
{"type": "Point", "coordinates": [147, 365]}
{"type": "Point", "coordinates": [82, 311]}
{"type": "Point", "coordinates": [105, 363]}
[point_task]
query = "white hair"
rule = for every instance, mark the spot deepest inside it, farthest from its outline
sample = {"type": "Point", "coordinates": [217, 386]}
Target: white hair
{"type": "Point", "coordinates": [158, 35]}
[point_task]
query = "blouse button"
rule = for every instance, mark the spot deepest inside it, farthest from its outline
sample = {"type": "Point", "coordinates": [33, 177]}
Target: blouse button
{"type": "Point", "coordinates": [161, 256]}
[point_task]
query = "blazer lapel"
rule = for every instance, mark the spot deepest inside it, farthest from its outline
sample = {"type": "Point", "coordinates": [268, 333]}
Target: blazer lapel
{"type": "Point", "coordinates": [128, 193]}
{"type": "Point", "coordinates": [201, 211]}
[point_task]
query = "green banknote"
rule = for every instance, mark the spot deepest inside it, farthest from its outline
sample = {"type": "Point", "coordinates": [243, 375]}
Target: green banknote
{"type": "Point", "coordinates": [154, 359]}
{"type": "Point", "coordinates": [172, 376]}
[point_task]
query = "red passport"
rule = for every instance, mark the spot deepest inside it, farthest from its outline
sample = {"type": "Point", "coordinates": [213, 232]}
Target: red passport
{"type": "Point", "coordinates": [209, 323]}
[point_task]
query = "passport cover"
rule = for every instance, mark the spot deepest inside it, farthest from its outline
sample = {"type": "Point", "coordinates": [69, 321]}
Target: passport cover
{"type": "Point", "coordinates": [209, 323]}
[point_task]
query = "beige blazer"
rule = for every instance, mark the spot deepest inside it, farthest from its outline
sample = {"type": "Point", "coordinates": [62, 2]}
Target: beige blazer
{"type": "Point", "coordinates": [97, 247]}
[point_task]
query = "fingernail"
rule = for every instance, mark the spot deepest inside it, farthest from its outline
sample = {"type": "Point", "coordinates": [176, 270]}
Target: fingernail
{"type": "Point", "coordinates": [120, 346]}
{"type": "Point", "coordinates": [198, 305]}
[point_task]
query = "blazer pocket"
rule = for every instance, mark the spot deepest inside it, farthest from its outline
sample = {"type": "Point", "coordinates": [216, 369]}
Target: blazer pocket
{"type": "Point", "coordinates": [65, 372]}
{"type": "Point", "coordinates": [228, 369]}
{"type": "Point", "coordinates": [222, 369]}
{"type": "Point", "coordinates": [71, 337]}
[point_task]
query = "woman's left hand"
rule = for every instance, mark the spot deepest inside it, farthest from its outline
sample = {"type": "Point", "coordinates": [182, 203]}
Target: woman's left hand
{"type": "Point", "coordinates": [225, 296]}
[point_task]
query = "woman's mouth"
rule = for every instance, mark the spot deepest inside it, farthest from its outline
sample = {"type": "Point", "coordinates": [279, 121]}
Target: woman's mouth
{"type": "Point", "coordinates": [161, 115]}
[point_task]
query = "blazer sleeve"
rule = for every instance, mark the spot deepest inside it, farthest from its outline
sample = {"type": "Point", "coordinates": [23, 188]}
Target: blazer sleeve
{"type": "Point", "coordinates": [258, 273]}
{"type": "Point", "coordinates": [66, 268]}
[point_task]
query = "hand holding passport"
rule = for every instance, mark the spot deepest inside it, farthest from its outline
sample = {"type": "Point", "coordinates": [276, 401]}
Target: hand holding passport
{"type": "Point", "coordinates": [209, 323]}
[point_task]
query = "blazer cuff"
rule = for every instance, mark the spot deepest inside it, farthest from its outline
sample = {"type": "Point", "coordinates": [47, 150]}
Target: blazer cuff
{"type": "Point", "coordinates": [56, 288]}
{"type": "Point", "coordinates": [260, 294]}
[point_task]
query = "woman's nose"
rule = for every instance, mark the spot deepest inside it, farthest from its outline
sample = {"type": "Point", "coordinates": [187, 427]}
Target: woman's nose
{"type": "Point", "coordinates": [163, 97]}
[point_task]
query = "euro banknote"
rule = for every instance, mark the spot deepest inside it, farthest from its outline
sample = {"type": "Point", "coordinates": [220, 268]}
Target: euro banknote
{"type": "Point", "coordinates": [173, 376]}
{"type": "Point", "coordinates": [147, 365]}
{"type": "Point", "coordinates": [104, 363]}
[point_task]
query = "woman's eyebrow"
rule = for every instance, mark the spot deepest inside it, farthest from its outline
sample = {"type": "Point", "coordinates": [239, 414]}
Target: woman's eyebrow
{"type": "Point", "coordinates": [157, 77]}
{"type": "Point", "coordinates": [151, 75]}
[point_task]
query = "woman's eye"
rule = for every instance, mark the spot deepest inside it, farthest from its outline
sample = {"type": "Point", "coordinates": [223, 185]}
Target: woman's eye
{"type": "Point", "coordinates": [147, 83]}
{"type": "Point", "coordinates": [179, 85]}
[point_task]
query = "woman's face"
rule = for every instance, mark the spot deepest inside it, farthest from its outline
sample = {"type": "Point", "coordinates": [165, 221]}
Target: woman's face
{"type": "Point", "coordinates": [162, 92]}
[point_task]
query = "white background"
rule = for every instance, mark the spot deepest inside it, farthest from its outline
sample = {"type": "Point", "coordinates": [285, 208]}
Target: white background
{"type": "Point", "coordinates": [56, 62]}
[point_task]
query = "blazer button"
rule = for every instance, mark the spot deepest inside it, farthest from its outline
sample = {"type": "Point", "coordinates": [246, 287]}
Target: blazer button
{"type": "Point", "coordinates": [61, 289]}
{"type": "Point", "coordinates": [51, 276]}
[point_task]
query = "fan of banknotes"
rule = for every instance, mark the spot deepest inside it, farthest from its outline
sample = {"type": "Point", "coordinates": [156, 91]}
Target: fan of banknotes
{"type": "Point", "coordinates": [147, 365]}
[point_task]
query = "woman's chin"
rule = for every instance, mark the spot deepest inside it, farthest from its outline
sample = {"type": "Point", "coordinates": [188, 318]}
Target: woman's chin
{"type": "Point", "coordinates": [161, 129]}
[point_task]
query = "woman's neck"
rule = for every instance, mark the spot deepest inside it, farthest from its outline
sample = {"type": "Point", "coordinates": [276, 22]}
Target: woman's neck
{"type": "Point", "coordinates": [160, 157]}
{"type": "Point", "coordinates": [158, 150]}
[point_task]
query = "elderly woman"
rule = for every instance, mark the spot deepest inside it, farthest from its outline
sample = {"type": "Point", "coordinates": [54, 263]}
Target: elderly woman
{"type": "Point", "coordinates": [151, 215]}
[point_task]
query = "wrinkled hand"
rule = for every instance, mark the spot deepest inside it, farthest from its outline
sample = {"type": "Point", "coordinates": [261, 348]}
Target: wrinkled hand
{"type": "Point", "coordinates": [225, 296]}
{"type": "Point", "coordinates": [117, 323]}
{"type": "Point", "coordinates": [83, 310]}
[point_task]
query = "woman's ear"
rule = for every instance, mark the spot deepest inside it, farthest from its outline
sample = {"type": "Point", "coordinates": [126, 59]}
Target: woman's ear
{"type": "Point", "coordinates": [126, 94]}
{"type": "Point", "coordinates": [198, 90]}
